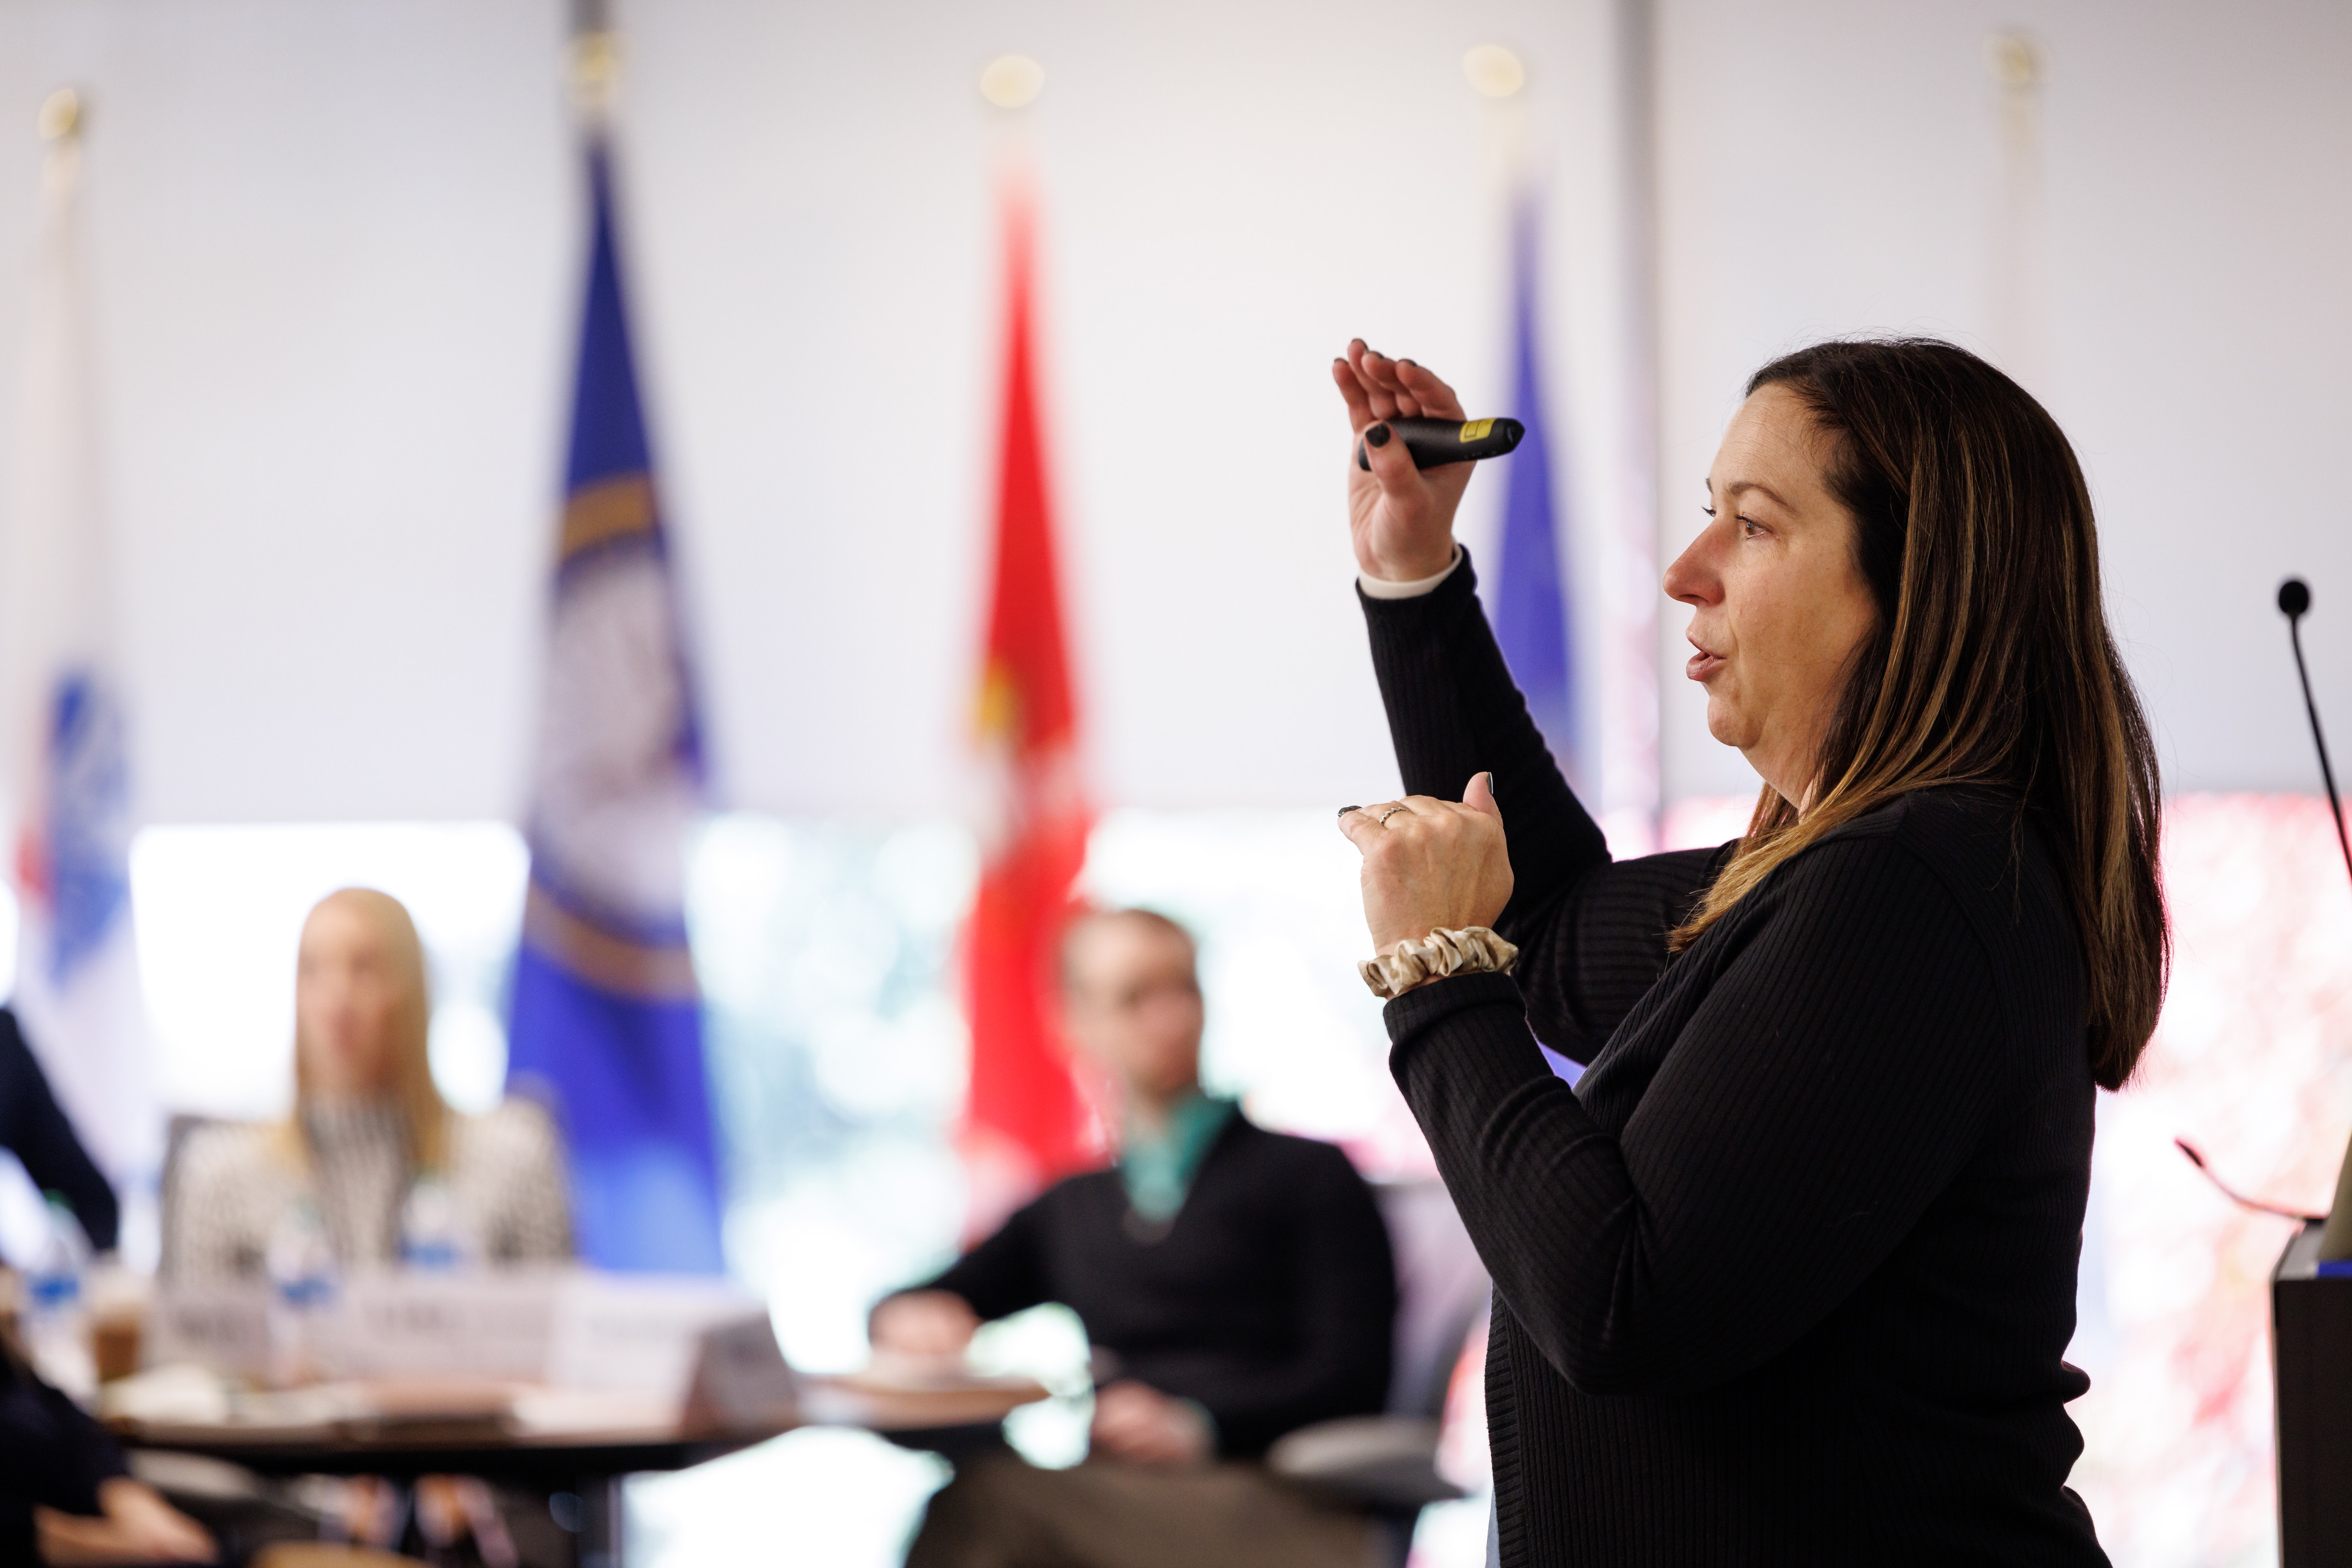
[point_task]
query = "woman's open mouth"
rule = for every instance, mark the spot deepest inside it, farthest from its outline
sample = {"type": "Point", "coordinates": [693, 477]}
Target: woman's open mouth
{"type": "Point", "coordinates": [1702, 665]}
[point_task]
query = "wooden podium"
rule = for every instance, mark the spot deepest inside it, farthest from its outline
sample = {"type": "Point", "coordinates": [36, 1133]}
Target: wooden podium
{"type": "Point", "coordinates": [2311, 1374]}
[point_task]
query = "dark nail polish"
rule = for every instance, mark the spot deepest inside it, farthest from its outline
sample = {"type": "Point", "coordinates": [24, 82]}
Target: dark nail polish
{"type": "Point", "coordinates": [1346, 809]}
{"type": "Point", "coordinates": [1415, 364]}
{"type": "Point", "coordinates": [1491, 790]}
{"type": "Point", "coordinates": [1378, 434]}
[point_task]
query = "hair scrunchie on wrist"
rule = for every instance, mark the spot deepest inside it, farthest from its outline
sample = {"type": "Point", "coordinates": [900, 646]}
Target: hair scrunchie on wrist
{"type": "Point", "coordinates": [1472, 950]}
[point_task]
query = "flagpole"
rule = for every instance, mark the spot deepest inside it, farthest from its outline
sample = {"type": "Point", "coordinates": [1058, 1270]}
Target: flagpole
{"type": "Point", "coordinates": [59, 124]}
{"type": "Point", "coordinates": [1009, 84]}
{"type": "Point", "coordinates": [593, 64]}
{"type": "Point", "coordinates": [78, 985]}
{"type": "Point", "coordinates": [604, 1015]}
{"type": "Point", "coordinates": [1631, 709]}
{"type": "Point", "coordinates": [1026, 1122]}
{"type": "Point", "coordinates": [2016, 335]}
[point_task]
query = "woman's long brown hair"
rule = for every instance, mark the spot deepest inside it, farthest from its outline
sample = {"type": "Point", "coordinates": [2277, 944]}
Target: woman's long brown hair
{"type": "Point", "coordinates": [1991, 662]}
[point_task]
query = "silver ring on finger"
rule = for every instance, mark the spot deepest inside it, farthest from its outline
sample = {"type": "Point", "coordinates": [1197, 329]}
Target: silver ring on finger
{"type": "Point", "coordinates": [1392, 812]}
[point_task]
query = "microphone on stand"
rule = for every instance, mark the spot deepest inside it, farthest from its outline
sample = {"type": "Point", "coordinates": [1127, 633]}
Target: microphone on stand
{"type": "Point", "coordinates": [2334, 1240]}
{"type": "Point", "coordinates": [2293, 603]}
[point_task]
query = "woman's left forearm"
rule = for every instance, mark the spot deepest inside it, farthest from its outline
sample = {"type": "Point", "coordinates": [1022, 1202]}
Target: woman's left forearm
{"type": "Point", "coordinates": [1453, 712]}
{"type": "Point", "coordinates": [1537, 1182]}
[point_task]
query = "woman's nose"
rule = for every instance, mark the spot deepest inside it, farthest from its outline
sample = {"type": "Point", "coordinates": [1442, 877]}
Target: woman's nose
{"type": "Point", "coordinates": [1693, 578]}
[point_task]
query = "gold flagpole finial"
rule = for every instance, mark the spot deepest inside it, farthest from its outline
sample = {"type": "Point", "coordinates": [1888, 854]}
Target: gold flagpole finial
{"type": "Point", "coordinates": [61, 116]}
{"type": "Point", "coordinates": [1012, 81]}
{"type": "Point", "coordinates": [595, 69]}
{"type": "Point", "coordinates": [2016, 62]}
{"type": "Point", "coordinates": [1494, 71]}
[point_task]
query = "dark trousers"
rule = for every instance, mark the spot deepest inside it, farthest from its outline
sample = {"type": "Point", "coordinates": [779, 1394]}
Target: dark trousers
{"type": "Point", "coordinates": [1002, 1513]}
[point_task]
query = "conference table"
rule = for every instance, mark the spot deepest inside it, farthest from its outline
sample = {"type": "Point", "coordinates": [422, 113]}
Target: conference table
{"type": "Point", "coordinates": [556, 1442]}
{"type": "Point", "coordinates": [557, 1382]}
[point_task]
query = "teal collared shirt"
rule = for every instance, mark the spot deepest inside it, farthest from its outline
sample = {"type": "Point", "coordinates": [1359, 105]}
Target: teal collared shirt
{"type": "Point", "coordinates": [1157, 1168]}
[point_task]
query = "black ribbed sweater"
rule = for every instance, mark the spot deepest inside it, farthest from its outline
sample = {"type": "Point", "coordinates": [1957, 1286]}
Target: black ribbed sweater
{"type": "Point", "coordinates": [1786, 1276]}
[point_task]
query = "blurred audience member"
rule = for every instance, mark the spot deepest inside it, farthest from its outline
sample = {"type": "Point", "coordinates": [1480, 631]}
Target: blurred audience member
{"type": "Point", "coordinates": [65, 1495]}
{"type": "Point", "coordinates": [371, 1164]}
{"type": "Point", "coordinates": [1236, 1282]}
{"type": "Point", "coordinates": [33, 1129]}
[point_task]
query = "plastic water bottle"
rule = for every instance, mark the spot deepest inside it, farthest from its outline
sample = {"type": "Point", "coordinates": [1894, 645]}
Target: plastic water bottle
{"type": "Point", "coordinates": [430, 1234]}
{"type": "Point", "coordinates": [57, 1318]}
{"type": "Point", "coordinates": [301, 1265]}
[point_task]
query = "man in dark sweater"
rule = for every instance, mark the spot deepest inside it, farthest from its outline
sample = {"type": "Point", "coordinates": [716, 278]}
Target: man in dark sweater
{"type": "Point", "coordinates": [1237, 1283]}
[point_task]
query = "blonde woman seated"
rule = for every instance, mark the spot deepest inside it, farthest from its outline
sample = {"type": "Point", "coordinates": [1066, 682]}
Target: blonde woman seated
{"type": "Point", "coordinates": [373, 1165]}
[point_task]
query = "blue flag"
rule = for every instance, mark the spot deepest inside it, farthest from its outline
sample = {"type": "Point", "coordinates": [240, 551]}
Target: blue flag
{"type": "Point", "coordinates": [606, 1021]}
{"type": "Point", "coordinates": [1533, 620]}
{"type": "Point", "coordinates": [1534, 623]}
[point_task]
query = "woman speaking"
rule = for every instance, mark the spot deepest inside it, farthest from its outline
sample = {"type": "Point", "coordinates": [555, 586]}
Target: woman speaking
{"type": "Point", "coordinates": [1787, 1276]}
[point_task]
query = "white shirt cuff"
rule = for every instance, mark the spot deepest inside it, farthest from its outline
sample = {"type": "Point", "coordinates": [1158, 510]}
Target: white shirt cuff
{"type": "Point", "coordinates": [1382, 588]}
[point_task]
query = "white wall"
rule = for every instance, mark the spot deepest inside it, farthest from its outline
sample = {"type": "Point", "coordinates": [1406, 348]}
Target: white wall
{"type": "Point", "coordinates": [1834, 166]}
{"type": "Point", "coordinates": [337, 258]}
{"type": "Point", "coordinates": [338, 264]}
{"type": "Point", "coordinates": [331, 292]}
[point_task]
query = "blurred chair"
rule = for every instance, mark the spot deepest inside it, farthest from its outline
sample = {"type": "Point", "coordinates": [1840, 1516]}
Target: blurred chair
{"type": "Point", "coordinates": [177, 1133]}
{"type": "Point", "coordinates": [1387, 1463]}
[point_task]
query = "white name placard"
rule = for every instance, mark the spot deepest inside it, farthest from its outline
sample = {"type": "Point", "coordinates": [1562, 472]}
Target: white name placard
{"type": "Point", "coordinates": [443, 1325]}
{"type": "Point", "coordinates": [223, 1327]}
{"type": "Point", "coordinates": [636, 1333]}
{"type": "Point", "coordinates": [567, 1328]}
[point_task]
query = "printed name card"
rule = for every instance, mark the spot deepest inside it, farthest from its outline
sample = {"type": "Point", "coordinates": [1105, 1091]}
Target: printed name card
{"type": "Point", "coordinates": [637, 1334]}
{"type": "Point", "coordinates": [443, 1325]}
{"type": "Point", "coordinates": [740, 1381]}
{"type": "Point", "coordinates": [567, 1328]}
{"type": "Point", "coordinates": [223, 1327]}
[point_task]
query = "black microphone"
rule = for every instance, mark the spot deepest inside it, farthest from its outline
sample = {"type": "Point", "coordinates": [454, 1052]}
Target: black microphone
{"type": "Point", "coordinates": [1436, 442]}
{"type": "Point", "coordinates": [2294, 600]}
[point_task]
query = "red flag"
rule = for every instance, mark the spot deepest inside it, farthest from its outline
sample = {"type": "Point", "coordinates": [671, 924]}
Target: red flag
{"type": "Point", "coordinates": [1026, 1122]}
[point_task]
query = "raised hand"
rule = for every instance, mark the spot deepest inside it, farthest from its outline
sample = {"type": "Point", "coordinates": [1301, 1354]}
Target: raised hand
{"type": "Point", "coordinates": [1402, 517]}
